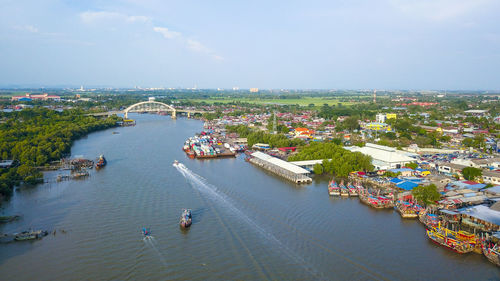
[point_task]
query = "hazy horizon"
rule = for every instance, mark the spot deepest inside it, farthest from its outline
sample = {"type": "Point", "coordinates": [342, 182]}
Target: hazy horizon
{"type": "Point", "coordinates": [440, 45]}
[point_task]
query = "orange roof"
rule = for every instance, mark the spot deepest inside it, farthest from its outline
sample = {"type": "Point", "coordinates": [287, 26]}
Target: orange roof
{"type": "Point", "coordinates": [301, 129]}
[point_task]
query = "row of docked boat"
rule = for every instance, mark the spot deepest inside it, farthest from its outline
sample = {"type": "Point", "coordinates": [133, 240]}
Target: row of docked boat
{"type": "Point", "coordinates": [355, 190]}
{"type": "Point", "coordinates": [335, 189]}
{"type": "Point", "coordinates": [206, 146]}
{"type": "Point", "coordinates": [461, 242]}
{"type": "Point", "coordinates": [376, 201]}
{"type": "Point", "coordinates": [408, 210]}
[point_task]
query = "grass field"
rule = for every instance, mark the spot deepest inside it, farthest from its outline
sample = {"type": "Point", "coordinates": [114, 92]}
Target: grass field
{"type": "Point", "coordinates": [317, 101]}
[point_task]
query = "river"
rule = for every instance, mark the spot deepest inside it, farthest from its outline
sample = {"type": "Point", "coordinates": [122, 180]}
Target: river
{"type": "Point", "coordinates": [247, 224]}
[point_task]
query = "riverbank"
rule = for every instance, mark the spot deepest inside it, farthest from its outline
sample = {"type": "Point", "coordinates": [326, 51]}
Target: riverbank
{"type": "Point", "coordinates": [36, 137]}
{"type": "Point", "coordinates": [247, 224]}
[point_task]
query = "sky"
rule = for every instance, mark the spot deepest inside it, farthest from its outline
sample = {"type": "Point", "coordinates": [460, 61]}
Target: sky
{"type": "Point", "coordinates": [313, 44]}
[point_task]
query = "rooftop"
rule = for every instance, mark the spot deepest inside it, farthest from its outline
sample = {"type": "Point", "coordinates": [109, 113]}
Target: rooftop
{"type": "Point", "coordinates": [280, 163]}
{"type": "Point", "coordinates": [383, 153]}
{"type": "Point", "coordinates": [484, 213]}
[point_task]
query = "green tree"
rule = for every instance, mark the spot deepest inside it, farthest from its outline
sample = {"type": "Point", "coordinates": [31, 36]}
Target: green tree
{"type": "Point", "coordinates": [351, 123]}
{"type": "Point", "coordinates": [412, 165]}
{"type": "Point", "coordinates": [318, 169]}
{"type": "Point", "coordinates": [34, 137]}
{"type": "Point", "coordinates": [426, 194]}
{"type": "Point", "coordinates": [471, 173]}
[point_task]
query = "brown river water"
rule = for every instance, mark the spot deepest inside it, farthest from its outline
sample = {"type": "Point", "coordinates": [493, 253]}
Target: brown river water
{"type": "Point", "coordinates": [247, 223]}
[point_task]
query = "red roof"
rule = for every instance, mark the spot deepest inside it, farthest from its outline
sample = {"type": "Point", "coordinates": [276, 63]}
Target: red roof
{"type": "Point", "coordinates": [287, 148]}
{"type": "Point", "coordinates": [470, 182]}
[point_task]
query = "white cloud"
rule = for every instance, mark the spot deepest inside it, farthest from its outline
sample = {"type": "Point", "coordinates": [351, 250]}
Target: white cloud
{"type": "Point", "coordinates": [200, 48]}
{"type": "Point", "coordinates": [96, 17]}
{"type": "Point", "coordinates": [138, 19]}
{"type": "Point", "coordinates": [191, 44]}
{"type": "Point", "coordinates": [91, 17]}
{"type": "Point", "coordinates": [166, 32]}
{"type": "Point", "coordinates": [28, 28]}
{"type": "Point", "coordinates": [197, 46]}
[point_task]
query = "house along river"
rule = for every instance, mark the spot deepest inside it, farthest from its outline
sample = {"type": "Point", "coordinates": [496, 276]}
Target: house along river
{"type": "Point", "coordinates": [247, 224]}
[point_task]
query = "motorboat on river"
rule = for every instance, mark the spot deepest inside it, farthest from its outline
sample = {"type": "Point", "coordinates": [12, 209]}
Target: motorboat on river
{"type": "Point", "coordinates": [101, 162]}
{"type": "Point", "coordinates": [146, 232]}
{"type": "Point", "coordinates": [186, 218]}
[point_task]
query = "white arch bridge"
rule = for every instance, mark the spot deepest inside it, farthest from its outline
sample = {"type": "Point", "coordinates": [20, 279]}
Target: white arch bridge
{"type": "Point", "coordinates": [150, 106]}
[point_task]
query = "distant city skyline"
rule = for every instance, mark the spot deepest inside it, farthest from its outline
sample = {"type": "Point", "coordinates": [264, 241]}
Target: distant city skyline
{"type": "Point", "coordinates": [386, 44]}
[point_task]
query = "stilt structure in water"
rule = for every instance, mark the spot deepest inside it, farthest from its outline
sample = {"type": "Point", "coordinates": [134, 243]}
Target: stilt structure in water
{"type": "Point", "coordinates": [280, 167]}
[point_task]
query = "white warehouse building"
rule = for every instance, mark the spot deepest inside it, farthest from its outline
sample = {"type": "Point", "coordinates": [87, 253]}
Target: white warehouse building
{"type": "Point", "coordinates": [385, 157]}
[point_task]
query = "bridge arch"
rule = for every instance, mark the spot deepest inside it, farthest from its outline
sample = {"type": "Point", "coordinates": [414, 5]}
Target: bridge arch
{"type": "Point", "coordinates": [150, 106]}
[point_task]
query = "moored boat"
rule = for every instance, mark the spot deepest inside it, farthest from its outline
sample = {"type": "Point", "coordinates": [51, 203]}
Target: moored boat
{"type": "Point", "coordinates": [377, 202]}
{"type": "Point", "coordinates": [353, 191]}
{"type": "Point", "coordinates": [360, 188]}
{"type": "Point", "coordinates": [492, 252]}
{"type": "Point", "coordinates": [343, 190]}
{"type": "Point", "coordinates": [428, 219]}
{"type": "Point", "coordinates": [461, 242]}
{"type": "Point", "coordinates": [6, 219]}
{"type": "Point", "coordinates": [406, 210]}
{"type": "Point", "coordinates": [186, 218]}
{"type": "Point", "coordinates": [333, 188]}
{"type": "Point", "coordinates": [30, 235]}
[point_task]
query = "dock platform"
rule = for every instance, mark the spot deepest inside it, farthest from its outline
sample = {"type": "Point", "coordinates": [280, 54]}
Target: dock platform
{"type": "Point", "coordinates": [280, 167]}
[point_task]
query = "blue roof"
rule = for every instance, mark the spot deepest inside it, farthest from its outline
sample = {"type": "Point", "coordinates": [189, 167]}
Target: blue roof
{"type": "Point", "coordinates": [401, 170]}
{"type": "Point", "coordinates": [494, 189]}
{"type": "Point", "coordinates": [396, 180]}
{"type": "Point", "coordinates": [459, 184]}
{"type": "Point", "coordinates": [407, 185]}
{"type": "Point", "coordinates": [472, 194]}
{"type": "Point", "coordinates": [414, 179]}
{"type": "Point", "coordinates": [449, 212]}
{"type": "Point", "coordinates": [476, 186]}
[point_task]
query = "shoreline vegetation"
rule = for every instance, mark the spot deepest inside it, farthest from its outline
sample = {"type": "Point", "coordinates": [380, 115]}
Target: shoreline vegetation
{"type": "Point", "coordinates": [342, 161]}
{"type": "Point", "coordinates": [35, 137]}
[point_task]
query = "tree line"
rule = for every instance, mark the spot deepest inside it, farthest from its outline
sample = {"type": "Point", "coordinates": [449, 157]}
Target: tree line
{"type": "Point", "coordinates": [35, 137]}
{"type": "Point", "coordinates": [342, 161]}
{"type": "Point", "coordinates": [254, 136]}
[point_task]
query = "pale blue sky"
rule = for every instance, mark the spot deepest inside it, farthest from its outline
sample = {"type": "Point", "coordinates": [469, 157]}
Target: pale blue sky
{"type": "Point", "coordinates": [348, 44]}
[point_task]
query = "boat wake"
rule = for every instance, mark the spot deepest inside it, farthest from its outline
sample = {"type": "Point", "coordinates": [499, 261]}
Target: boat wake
{"type": "Point", "coordinates": [151, 242]}
{"type": "Point", "coordinates": [213, 192]}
